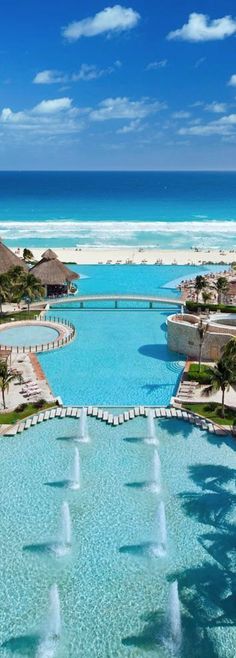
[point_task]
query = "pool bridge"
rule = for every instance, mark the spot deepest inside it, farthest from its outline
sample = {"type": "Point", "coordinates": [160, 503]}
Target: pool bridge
{"type": "Point", "coordinates": [151, 300]}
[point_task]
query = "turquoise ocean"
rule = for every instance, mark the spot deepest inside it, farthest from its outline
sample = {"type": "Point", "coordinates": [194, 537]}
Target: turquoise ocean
{"type": "Point", "coordinates": [165, 209]}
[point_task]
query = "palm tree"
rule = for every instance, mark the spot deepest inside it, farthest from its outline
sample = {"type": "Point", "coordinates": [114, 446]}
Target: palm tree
{"type": "Point", "coordinates": [200, 284]}
{"type": "Point", "coordinates": [229, 353]}
{"type": "Point", "coordinates": [206, 296]}
{"type": "Point", "coordinates": [201, 330]}
{"type": "Point", "coordinates": [30, 289]}
{"type": "Point", "coordinates": [4, 289]}
{"type": "Point", "coordinates": [27, 255]}
{"type": "Point", "coordinates": [222, 286]}
{"type": "Point", "coordinates": [6, 377]}
{"type": "Point", "coordinates": [221, 378]}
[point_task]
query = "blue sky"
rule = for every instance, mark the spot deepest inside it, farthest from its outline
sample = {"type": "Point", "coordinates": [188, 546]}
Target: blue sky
{"type": "Point", "coordinates": [135, 85]}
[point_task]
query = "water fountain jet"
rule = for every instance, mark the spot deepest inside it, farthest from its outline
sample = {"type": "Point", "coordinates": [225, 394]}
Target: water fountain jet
{"type": "Point", "coordinates": [156, 483]}
{"type": "Point", "coordinates": [63, 545]}
{"type": "Point", "coordinates": [160, 547]}
{"type": "Point", "coordinates": [75, 474]}
{"type": "Point", "coordinates": [151, 432]}
{"type": "Point", "coordinates": [173, 633]}
{"type": "Point", "coordinates": [52, 628]}
{"type": "Point", "coordinates": [83, 435]}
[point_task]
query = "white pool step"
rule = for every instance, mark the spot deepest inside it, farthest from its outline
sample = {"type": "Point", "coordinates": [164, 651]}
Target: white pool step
{"type": "Point", "coordinates": [68, 411]}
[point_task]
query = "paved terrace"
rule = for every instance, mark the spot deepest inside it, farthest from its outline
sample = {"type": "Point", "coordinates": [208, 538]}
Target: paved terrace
{"type": "Point", "coordinates": [150, 299]}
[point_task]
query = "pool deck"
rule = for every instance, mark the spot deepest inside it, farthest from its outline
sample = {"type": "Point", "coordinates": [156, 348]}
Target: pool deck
{"type": "Point", "coordinates": [107, 416]}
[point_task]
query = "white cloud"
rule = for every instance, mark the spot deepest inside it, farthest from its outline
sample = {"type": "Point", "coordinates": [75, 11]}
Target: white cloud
{"type": "Point", "coordinates": [53, 106]}
{"type": "Point", "coordinates": [133, 126]}
{"type": "Point", "coordinates": [224, 126]}
{"type": "Point", "coordinates": [124, 108]}
{"type": "Point", "coordinates": [48, 77]}
{"type": "Point", "coordinates": [49, 118]}
{"type": "Point", "coordinates": [181, 115]}
{"type": "Point", "coordinates": [111, 19]}
{"type": "Point", "coordinates": [217, 108]}
{"type": "Point", "coordinates": [232, 81]}
{"type": "Point", "coordinates": [201, 28]}
{"type": "Point", "coordinates": [86, 72]}
{"type": "Point", "coordinates": [154, 66]}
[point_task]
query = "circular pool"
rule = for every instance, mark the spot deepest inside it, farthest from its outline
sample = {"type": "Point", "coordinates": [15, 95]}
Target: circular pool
{"type": "Point", "coordinates": [28, 335]}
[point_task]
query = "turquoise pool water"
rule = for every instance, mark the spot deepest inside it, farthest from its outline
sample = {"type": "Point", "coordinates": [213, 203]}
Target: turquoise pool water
{"type": "Point", "coordinates": [113, 591]}
{"type": "Point", "coordinates": [119, 357]}
{"type": "Point", "coordinates": [27, 335]}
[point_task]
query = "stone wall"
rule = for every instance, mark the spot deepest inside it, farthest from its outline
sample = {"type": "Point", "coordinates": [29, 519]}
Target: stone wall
{"type": "Point", "coordinates": [183, 337]}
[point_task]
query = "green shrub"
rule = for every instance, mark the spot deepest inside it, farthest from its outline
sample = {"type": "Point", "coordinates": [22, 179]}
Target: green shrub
{"type": "Point", "coordinates": [202, 377]}
{"type": "Point", "coordinates": [194, 306]}
{"type": "Point", "coordinates": [22, 406]}
{"type": "Point", "coordinates": [40, 403]}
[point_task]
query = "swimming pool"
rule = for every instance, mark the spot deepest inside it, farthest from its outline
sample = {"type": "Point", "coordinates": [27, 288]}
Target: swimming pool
{"type": "Point", "coordinates": [113, 591]}
{"type": "Point", "coordinates": [119, 357]}
{"type": "Point", "coordinates": [28, 335]}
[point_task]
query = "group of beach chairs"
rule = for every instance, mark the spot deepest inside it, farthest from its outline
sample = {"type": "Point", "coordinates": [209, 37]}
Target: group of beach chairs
{"type": "Point", "coordinates": [187, 390]}
{"type": "Point", "coordinates": [30, 390]}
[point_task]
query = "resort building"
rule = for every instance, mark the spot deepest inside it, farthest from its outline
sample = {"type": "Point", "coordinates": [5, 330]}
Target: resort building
{"type": "Point", "coordinates": [183, 334]}
{"type": "Point", "coordinates": [8, 259]}
{"type": "Point", "coordinates": [53, 274]}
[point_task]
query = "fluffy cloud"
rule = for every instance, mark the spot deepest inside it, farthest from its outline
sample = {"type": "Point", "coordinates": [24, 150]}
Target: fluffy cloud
{"type": "Point", "coordinates": [86, 72]}
{"type": "Point", "coordinates": [53, 106]}
{"type": "Point", "coordinates": [153, 66]}
{"type": "Point", "coordinates": [201, 28]}
{"type": "Point", "coordinates": [50, 117]}
{"type": "Point", "coordinates": [232, 81]}
{"type": "Point", "coordinates": [111, 19]}
{"type": "Point", "coordinates": [217, 108]}
{"type": "Point", "coordinates": [225, 126]}
{"type": "Point", "coordinates": [133, 126]}
{"type": "Point", "coordinates": [124, 108]}
{"type": "Point", "coordinates": [48, 77]}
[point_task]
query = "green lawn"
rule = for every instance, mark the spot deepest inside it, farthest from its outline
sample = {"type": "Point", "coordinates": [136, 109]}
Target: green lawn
{"type": "Point", "coordinates": [10, 417]}
{"type": "Point", "coordinates": [21, 315]}
{"type": "Point", "coordinates": [211, 410]}
{"type": "Point", "coordinates": [194, 375]}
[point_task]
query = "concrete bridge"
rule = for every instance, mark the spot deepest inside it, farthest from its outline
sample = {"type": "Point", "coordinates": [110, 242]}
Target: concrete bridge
{"type": "Point", "coordinates": [151, 300]}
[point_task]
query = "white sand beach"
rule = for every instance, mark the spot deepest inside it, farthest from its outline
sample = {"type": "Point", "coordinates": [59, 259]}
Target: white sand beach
{"type": "Point", "coordinates": [137, 255]}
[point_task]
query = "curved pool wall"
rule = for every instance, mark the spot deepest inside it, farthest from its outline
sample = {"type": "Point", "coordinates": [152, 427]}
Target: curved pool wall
{"type": "Point", "coordinates": [113, 591]}
{"type": "Point", "coordinates": [26, 335]}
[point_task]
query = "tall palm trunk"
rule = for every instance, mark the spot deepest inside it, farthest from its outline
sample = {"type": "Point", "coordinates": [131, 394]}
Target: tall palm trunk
{"type": "Point", "coordinates": [223, 402]}
{"type": "Point", "coordinates": [200, 356]}
{"type": "Point", "coordinates": [3, 398]}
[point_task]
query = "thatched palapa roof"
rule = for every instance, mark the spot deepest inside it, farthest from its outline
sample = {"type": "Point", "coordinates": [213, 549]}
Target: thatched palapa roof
{"type": "Point", "coordinates": [8, 259]}
{"type": "Point", "coordinates": [51, 272]}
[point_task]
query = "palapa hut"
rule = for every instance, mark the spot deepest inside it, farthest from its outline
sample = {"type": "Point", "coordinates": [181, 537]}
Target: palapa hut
{"type": "Point", "coordinates": [8, 259]}
{"type": "Point", "coordinates": [53, 274]}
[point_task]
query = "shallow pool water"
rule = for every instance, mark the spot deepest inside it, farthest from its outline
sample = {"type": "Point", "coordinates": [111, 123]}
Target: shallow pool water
{"type": "Point", "coordinates": [28, 335]}
{"type": "Point", "coordinates": [113, 591]}
{"type": "Point", "coordinates": [119, 357]}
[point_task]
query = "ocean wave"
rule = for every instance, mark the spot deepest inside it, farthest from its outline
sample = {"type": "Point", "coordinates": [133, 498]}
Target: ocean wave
{"type": "Point", "coordinates": [109, 233]}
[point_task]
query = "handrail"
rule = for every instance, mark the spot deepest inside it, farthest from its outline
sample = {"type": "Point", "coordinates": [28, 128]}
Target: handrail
{"type": "Point", "coordinates": [43, 347]}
